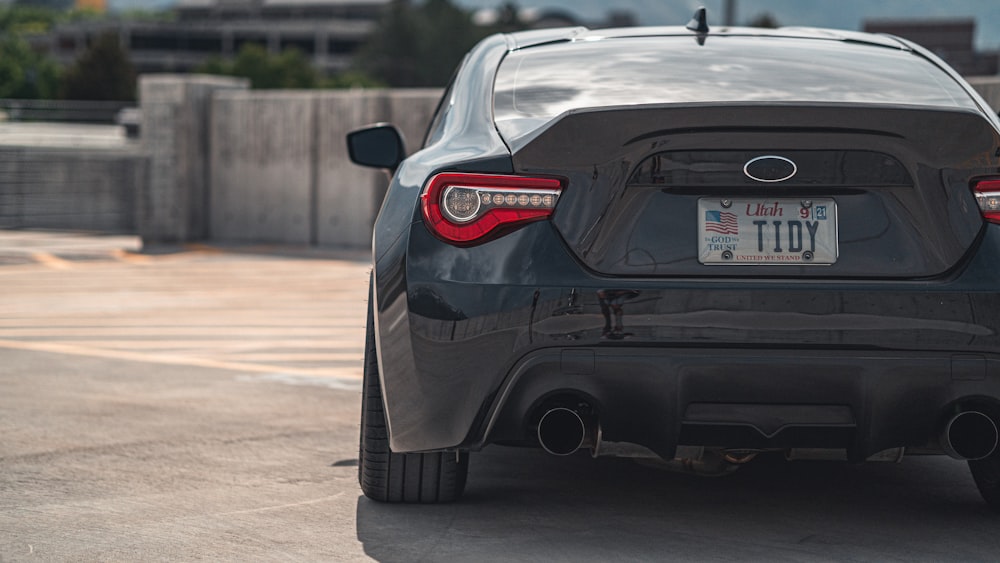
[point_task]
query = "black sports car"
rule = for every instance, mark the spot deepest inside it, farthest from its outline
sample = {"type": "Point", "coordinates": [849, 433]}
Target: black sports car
{"type": "Point", "coordinates": [688, 245]}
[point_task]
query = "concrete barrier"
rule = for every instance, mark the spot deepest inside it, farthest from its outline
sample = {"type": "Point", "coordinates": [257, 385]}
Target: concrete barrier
{"type": "Point", "coordinates": [262, 166]}
{"type": "Point", "coordinates": [70, 188]}
{"type": "Point", "coordinates": [279, 166]}
{"type": "Point", "coordinates": [217, 161]}
{"type": "Point", "coordinates": [349, 196]}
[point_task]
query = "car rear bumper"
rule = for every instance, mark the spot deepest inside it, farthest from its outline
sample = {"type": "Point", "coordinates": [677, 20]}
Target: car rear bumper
{"type": "Point", "coordinates": [864, 402]}
{"type": "Point", "coordinates": [472, 340]}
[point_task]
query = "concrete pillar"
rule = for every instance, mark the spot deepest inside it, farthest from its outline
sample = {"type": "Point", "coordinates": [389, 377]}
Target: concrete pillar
{"type": "Point", "coordinates": [175, 134]}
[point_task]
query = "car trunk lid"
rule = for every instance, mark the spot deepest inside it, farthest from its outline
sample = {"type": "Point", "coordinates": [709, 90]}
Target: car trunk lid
{"type": "Point", "coordinates": [641, 183]}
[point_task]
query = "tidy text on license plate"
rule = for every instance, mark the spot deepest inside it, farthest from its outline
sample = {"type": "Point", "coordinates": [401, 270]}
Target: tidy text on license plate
{"type": "Point", "coordinates": [769, 231]}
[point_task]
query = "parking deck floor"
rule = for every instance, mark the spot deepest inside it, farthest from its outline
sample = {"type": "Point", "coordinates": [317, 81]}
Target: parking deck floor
{"type": "Point", "coordinates": [201, 402]}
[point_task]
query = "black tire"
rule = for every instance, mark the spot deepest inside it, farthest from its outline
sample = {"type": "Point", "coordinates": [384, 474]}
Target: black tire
{"type": "Point", "coordinates": [986, 474]}
{"type": "Point", "coordinates": [420, 478]}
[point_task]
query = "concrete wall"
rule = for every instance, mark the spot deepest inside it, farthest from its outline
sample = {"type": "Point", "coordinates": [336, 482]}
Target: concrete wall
{"type": "Point", "coordinates": [219, 162]}
{"type": "Point", "coordinates": [279, 167]}
{"type": "Point", "coordinates": [349, 196]}
{"type": "Point", "coordinates": [70, 188]}
{"type": "Point", "coordinates": [262, 166]}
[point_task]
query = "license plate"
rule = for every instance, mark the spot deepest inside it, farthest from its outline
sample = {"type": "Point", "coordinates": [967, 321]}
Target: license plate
{"type": "Point", "coordinates": [772, 231]}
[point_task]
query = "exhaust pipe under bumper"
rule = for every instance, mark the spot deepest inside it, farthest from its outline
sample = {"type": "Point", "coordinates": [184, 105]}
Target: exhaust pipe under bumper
{"type": "Point", "coordinates": [970, 435]}
{"type": "Point", "coordinates": [562, 431]}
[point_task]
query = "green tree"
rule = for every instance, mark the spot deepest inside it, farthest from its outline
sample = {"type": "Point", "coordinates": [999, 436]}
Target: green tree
{"type": "Point", "coordinates": [21, 19]}
{"type": "Point", "coordinates": [103, 72]}
{"type": "Point", "coordinates": [289, 69]}
{"type": "Point", "coordinates": [352, 79]}
{"type": "Point", "coordinates": [390, 52]}
{"type": "Point", "coordinates": [508, 19]}
{"type": "Point", "coordinates": [254, 63]}
{"type": "Point", "coordinates": [25, 74]}
{"type": "Point", "coordinates": [27, 19]}
{"type": "Point", "coordinates": [58, 5]}
{"type": "Point", "coordinates": [420, 44]}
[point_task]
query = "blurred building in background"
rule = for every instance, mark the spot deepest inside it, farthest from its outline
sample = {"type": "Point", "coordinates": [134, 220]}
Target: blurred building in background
{"type": "Point", "coordinates": [328, 32]}
{"type": "Point", "coordinates": [537, 18]}
{"type": "Point", "coordinates": [952, 40]}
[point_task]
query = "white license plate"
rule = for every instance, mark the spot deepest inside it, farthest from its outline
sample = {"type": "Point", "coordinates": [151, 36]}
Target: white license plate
{"type": "Point", "coordinates": [770, 231]}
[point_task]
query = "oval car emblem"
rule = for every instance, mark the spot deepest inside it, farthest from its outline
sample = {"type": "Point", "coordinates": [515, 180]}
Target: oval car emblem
{"type": "Point", "coordinates": [770, 168]}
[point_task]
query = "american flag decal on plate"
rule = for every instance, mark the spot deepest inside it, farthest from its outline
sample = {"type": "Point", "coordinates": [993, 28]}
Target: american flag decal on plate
{"type": "Point", "coordinates": [722, 222]}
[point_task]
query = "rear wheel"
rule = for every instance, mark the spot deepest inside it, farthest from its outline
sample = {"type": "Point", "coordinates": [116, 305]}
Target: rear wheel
{"type": "Point", "coordinates": [424, 478]}
{"type": "Point", "coordinates": [986, 473]}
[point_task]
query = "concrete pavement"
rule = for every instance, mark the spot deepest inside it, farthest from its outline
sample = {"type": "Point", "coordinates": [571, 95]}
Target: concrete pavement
{"type": "Point", "coordinates": [242, 308]}
{"type": "Point", "coordinates": [201, 403]}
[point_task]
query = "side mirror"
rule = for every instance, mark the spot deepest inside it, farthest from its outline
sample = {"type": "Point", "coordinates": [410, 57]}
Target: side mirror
{"type": "Point", "coordinates": [378, 146]}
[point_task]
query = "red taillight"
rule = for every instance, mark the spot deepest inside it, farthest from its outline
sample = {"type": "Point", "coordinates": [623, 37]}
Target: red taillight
{"type": "Point", "coordinates": [463, 208]}
{"type": "Point", "coordinates": [988, 198]}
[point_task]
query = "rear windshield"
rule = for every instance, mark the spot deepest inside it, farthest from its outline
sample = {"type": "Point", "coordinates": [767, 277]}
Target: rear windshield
{"type": "Point", "coordinates": [534, 85]}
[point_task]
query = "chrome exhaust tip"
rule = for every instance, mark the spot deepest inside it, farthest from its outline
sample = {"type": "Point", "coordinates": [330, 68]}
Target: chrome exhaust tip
{"type": "Point", "coordinates": [970, 435]}
{"type": "Point", "coordinates": [561, 431]}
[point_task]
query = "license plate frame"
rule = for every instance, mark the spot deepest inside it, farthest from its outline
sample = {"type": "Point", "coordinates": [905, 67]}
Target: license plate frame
{"type": "Point", "coordinates": [768, 231]}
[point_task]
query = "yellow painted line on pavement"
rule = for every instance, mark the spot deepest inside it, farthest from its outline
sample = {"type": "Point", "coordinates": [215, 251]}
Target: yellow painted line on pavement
{"type": "Point", "coordinates": [227, 332]}
{"type": "Point", "coordinates": [189, 250]}
{"type": "Point", "coordinates": [222, 345]}
{"type": "Point", "coordinates": [29, 269]}
{"type": "Point", "coordinates": [292, 356]}
{"type": "Point", "coordinates": [323, 320]}
{"type": "Point", "coordinates": [202, 248]}
{"type": "Point", "coordinates": [50, 260]}
{"type": "Point", "coordinates": [171, 359]}
{"type": "Point", "coordinates": [130, 257]}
